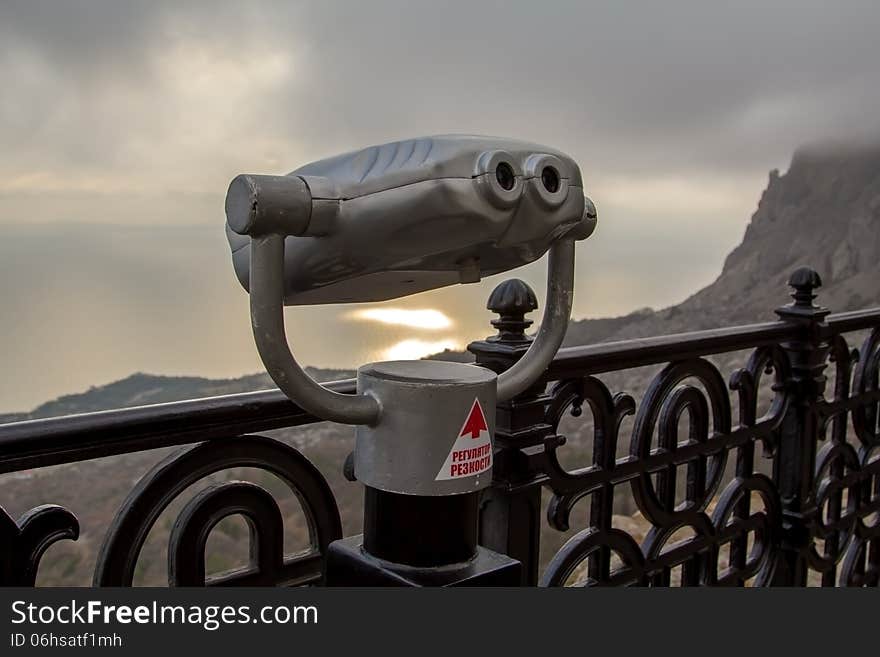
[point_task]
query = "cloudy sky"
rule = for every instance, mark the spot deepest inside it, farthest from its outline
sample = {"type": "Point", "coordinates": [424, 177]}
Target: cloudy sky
{"type": "Point", "coordinates": [121, 124]}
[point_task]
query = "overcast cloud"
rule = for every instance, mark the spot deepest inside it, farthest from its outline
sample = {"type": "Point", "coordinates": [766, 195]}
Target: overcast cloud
{"type": "Point", "coordinates": [124, 114]}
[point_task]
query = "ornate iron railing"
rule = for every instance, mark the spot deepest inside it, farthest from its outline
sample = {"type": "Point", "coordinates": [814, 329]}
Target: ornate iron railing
{"type": "Point", "coordinates": [712, 509]}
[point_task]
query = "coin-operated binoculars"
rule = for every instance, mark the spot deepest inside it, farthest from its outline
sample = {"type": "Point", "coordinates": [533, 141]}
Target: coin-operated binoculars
{"type": "Point", "coordinates": [386, 222]}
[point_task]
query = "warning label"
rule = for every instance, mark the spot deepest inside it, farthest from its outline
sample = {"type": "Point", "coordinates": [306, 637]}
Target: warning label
{"type": "Point", "coordinates": [471, 452]}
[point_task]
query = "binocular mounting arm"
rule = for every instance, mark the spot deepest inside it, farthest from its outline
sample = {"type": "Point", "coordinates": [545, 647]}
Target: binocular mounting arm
{"type": "Point", "coordinates": [268, 209]}
{"type": "Point", "coordinates": [554, 323]}
{"type": "Point", "coordinates": [267, 321]}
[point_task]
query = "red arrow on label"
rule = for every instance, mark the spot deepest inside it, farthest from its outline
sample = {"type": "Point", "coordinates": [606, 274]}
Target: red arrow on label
{"type": "Point", "coordinates": [475, 423]}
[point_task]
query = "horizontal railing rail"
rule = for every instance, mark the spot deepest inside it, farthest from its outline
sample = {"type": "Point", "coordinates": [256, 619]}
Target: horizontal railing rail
{"type": "Point", "coordinates": [70, 438]}
{"type": "Point", "coordinates": [609, 356]}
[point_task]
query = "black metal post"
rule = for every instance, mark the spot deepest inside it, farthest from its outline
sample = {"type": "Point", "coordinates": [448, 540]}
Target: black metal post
{"type": "Point", "coordinates": [794, 466]}
{"type": "Point", "coordinates": [415, 540]}
{"type": "Point", "coordinates": [510, 514]}
{"type": "Point", "coordinates": [421, 531]}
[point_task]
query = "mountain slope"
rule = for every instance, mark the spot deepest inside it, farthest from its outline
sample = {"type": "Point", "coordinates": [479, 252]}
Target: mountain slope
{"type": "Point", "coordinates": [143, 389]}
{"type": "Point", "coordinates": [824, 212]}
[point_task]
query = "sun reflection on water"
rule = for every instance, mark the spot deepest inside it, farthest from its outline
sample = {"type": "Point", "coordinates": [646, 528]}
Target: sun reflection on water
{"type": "Point", "coordinates": [413, 349]}
{"type": "Point", "coordinates": [424, 318]}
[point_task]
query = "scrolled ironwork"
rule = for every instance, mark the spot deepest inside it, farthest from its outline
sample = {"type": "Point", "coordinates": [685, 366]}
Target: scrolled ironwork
{"type": "Point", "coordinates": [593, 541]}
{"type": "Point", "coordinates": [569, 488]}
{"type": "Point", "coordinates": [734, 521]}
{"type": "Point", "coordinates": [841, 534]}
{"type": "Point", "coordinates": [867, 387]}
{"type": "Point", "coordinates": [608, 412]}
{"type": "Point", "coordinates": [746, 383]}
{"type": "Point", "coordinates": [692, 554]}
{"type": "Point", "coordinates": [660, 412]}
{"type": "Point", "coordinates": [155, 491]}
{"type": "Point", "coordinates": [658, 452]}
{"type": "Point", "coordinates": [24, 541]}
{"type": "Point", "coordinates": [837, 472]}
{"type": "Point", "coordinates": [267, 565]}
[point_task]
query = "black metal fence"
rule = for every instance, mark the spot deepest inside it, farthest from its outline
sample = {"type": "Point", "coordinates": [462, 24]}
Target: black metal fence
{"type": "Point", "coordinates": [769, 478]}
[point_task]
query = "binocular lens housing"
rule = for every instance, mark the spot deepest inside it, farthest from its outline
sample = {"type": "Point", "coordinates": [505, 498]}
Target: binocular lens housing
{"type": "Point", "coordinates": [550, 179]}
{"type": "Point", "coordinates": [505, 176]}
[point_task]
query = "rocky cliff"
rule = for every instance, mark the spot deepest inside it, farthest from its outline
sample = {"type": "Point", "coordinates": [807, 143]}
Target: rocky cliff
{"type": "Point", "coordinates": [824, 212]}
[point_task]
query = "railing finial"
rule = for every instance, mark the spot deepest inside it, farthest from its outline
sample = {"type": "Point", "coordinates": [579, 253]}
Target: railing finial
{"type": "Point", "coordinates": [512, 300]}
{"type": "Point", "coordinates": [804, 282]}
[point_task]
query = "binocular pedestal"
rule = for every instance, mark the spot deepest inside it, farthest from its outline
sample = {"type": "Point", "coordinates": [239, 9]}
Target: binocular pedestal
{"type": "Point", "coordinates": [424, 464]}
{"type": "Point", "coordinates": [413, 540]}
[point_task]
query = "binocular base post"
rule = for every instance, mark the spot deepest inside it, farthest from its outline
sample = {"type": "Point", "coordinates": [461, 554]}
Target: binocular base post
{"type": "Point", "coordinates": [423, 466]}
{"type": "Point", "coordinates": [414, 540]}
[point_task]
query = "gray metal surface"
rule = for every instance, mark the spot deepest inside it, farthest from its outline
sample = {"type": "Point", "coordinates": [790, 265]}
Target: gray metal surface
{"type": "Point", "coordinates": [424, 443]}
{"type": "Point", "coordinates": [432, 210]}
{"type": "Point", "coordinates": [267, 321]}
{"type": "Point", "coordinates": [557, 310]}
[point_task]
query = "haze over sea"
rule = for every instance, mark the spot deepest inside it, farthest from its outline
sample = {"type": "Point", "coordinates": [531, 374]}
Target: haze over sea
{"type": "Point", "coordinates": [86, 304]}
